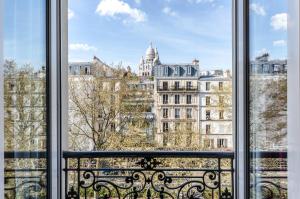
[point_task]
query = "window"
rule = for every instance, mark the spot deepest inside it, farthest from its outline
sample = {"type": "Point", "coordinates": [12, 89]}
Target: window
{"type": "Point", "coordinates": [207, 86]}
{"type": "Point", "coordinates": [166, 70]}
{"type": "Point", "coordinates": [188, 113]}
{"type": "Point", "coordinates": [25, 81]}
{"type": "Point", "coordinates": [222, 143]}
{"type": "Point", "coordinates": [165, 113]}
{"type": "Point", "coordinates": [188, 85]}
{"type": "Point", "coordinates": [188, 99]}
{"type": "Point", "coordinates": [208, 143]}
{"type": "Point", "coordinates": [165, 85]}
{"type": "Point", "coordinates": [177, 99]}
{"type": "Point", "coordinates": [207, 100]}
{"type": "Point", "coordinates": [177, 85]}
{"type": "Point", "coordinates": [207, 128]}
{"type": "Point", "coordinates": [165, 99]}
{"type": "Point", "coordinates": [177, 113]}
{"type": "Point", "coordinates": [189, 126]}
{"type": "Point", "coordinates": [207, 113]}
{"type": "Point", "coordinates": [221, 115]}
{"type": "Point", "coordinates": [177, 69]}
{"type": "Point", "coordinates": [177, 126]}
{"type": "Point", "coordinates": [165, 127]}
{"type": "Point", "coordinates": [189, 70]}
{"type": "Point", "coordinates": [221, 86]}
{"type": "Point", "coordinates": [221, 100]}
{"type": "Point", "coordinates": [267, 100]}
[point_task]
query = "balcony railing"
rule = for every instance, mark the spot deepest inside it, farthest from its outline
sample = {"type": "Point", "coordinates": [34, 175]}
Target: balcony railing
{"type": "Point", "coordinates": [178, 89]}
{"type": "Point", "coordinates": [149, 175]}
{"type": "Point", "coordinates": [158, 174]}
{"type": "Point", "coordinates": [25, 175]}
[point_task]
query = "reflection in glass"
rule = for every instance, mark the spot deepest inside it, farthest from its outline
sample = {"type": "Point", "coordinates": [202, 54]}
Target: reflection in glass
{"type": "Point", "coordinates": [25, 98]}
{"type": "Point", "coordinates": [268, 98]}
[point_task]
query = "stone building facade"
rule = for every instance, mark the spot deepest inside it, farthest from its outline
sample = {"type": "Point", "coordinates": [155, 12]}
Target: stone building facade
{"type": "Point", "coordinates": [176, 101]}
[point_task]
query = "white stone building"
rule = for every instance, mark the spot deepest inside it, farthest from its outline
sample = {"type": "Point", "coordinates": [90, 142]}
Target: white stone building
{"type": "Point", "coordinates": [176, 102]}
{"type": "Point", "coordinates": [216, 111]}
{"type": "Point", "coordinates": [146, 64]}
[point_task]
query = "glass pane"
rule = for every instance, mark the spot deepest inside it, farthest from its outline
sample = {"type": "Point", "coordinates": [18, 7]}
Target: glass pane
{"type": "Point", "coordinates": [268, 98]}
{"type": "Point", "coordinates": [140, 73]}
{"type": "Point", "coordinates": [25, 98]}
{"type": "Point", "coordinates": [139, 76]}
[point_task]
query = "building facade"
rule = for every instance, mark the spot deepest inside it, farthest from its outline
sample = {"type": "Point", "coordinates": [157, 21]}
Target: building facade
{"type": "Point", "coordinates": [216, 111]}
{"type": "Point", "coordinates": [176, 102]}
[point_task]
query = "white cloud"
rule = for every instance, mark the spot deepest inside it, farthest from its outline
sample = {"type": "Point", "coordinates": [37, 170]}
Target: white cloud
{"type": "Point", "coordinates": [279, 43]}
{"type": "Point", "coordinates": [113, 8]}
{"type": "Point", "coordinates": [279, 21]}
{"type": "Point", "coordinates": [169, 11]}
{"type": "Point", "coordinates": [258, 9]}
{"type": "Point", "coordinates": [71, 14]}
{"type": "Point", "coordinates": [84, 47]}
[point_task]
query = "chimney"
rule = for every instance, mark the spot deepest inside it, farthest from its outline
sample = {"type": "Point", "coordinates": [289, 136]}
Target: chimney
{"type": "Point", "coordinates": [195, 62]}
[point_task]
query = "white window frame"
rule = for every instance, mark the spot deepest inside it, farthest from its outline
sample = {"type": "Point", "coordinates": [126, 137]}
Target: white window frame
{"type": "Point", "coordinates": [293, 98]}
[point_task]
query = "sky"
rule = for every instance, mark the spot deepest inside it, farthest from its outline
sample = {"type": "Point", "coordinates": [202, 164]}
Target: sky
{"type": "Point", "coordinates": [121, 30]}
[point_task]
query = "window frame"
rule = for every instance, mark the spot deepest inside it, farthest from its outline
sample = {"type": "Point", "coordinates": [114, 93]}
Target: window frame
{"type": "Point", "coordinates": [59, 62]}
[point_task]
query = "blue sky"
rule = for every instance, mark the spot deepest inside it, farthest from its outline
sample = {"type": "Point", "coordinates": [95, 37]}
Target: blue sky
{"type": "Point", "coordinates": [268, 25]}
{"type": "Point", "coordinates": [121, 30]}
{"type": "Point", "coordinates": [24, 32]}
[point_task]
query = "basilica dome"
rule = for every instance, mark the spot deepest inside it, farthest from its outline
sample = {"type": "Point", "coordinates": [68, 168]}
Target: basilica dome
{"type": "Point", "coordinates": [150, 53]}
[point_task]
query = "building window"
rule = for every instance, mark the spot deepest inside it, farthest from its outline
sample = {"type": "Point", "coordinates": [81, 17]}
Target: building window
{"type": "Point", "coordinates": [165, 85]}
{"type": "Point", "coordinates": [209, 143]}
{"type": "Point", "coordinates": [221, 100]}
{"type": "Point", "coordinates": [207, 86]}
{"type": "Point", "coordinates": [207, 101]}
{"type": "Point", "coordinates": [189, 70]}
{"type": "Point", "coordinates": [221, 115]}
{"type": "Point", "coordinates": [165, 113]}
{"type": "Point", "coordinates": [188, 113]}
{"type": "Point", "coordinates": [188, 99]}
{"type": "Point", "coordinates": [207, 128]}
{"type": "Point", "coordinates": [222, 143]}
{"type": "Point", "coordinates": [177, 99]}
{"type": "Point", "coordinates": [189, 126]}
{"type": "Point", "coordinates": [165, 99]}
{"type": "Point", "coordinates": [188, 85]}
{"type": "Point", "coordinates": [207, 115]}
{"type": "Point", "coordinates": [166, 70]}
{"type": "Point", "coordinates": [177, 113]}
{"type": "Point", "coordinates": [176, 70]}
{"type": "Point", "coordinates": [220, 86]}
{"type": "Point", "coordinates": [177, 126]}
{"type": "Point", "coordinates": [165, 127]}
{"type": "Point", "coordinates": [177, 85]}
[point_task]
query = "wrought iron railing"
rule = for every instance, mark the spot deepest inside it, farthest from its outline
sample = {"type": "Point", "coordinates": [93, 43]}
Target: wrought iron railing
{"type": "Point", "coordinates": [159, 174]}
{"type": "Point", "coordinates": [181, 88]}
{"type": "Point", "coordinates": [149, 175]}
{"type": "Point", "coordinates": [268, 175]}
{"type": "Point", "coordinates": [25, 175]}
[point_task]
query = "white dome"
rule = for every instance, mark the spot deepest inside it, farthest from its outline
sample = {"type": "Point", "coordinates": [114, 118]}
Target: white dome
{"type": "Point", "coordinates": [150, 53]}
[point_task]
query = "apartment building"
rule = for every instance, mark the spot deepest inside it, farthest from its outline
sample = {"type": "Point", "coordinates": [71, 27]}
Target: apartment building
{"type": "Point", "coordinates": [176, 102]}
{"type": "Point", "coordinates": [215, 110]}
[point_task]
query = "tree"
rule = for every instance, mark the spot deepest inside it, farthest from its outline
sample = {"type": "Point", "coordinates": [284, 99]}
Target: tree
{"type": "Point", "coordinates": [24, 98]}
{"type": "Point", "coordinates": [104, 110]}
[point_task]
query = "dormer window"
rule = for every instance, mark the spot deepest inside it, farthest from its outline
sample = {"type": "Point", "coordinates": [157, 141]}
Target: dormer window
{"type": "Point", "coordinates": [166, 70]}
{"type": "Point", "coordinates": [189, 70]}
{"type": "Point", "coordinates": [176, 70]}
